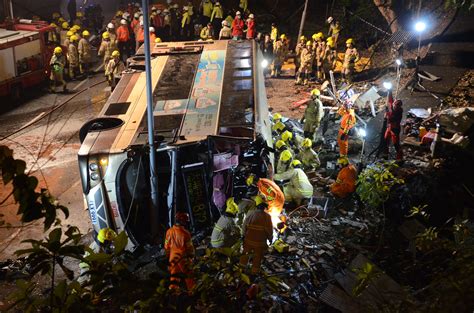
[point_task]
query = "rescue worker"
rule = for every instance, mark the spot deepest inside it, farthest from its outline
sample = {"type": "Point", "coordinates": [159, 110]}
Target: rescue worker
{"type": "Point", "coordinates": [106, 48]}
{"type": "Point", "coordinates": [237, 27]}
{"type": "Point", "coordinates": [256, 230]}
{"type": "Point", "coordinates": [113, 36]}
{"type": "Point", "coordinates": [217, 16]}
{"type": "Point", "coordinates": [226, 233]}
{"type": "Point", "coordinates": [73, 58]}
{"type": "Point", "coordinates": [329, 62]}
{"type": "Point", "coordinates": [309, 158]}
{"type": "Point", "coordinates": [64, 30]}
{"type": "Point", "coordinates": [280, 50]}
{"type": "Point", "coordinates": [251, 27]}
{"type": "Point", "coordinates": [140, 37]}
{"type": "Point", "coordinates": [297, 188]}
{"type": "Point", "coordinates": [79, 18]}
{"type": "Point", "coordinates": [278, 126]}
{"type": "Point", "coordinates": [319, 50]}
{"type": "Point", "coordinates": [123, 39]}
{"type": "Point", "coordinates": [190, 8]}
{"type": "Point", "coordinates": [226, 31]}
{"type": "Point", "coordinates": [243, 4]}
{"type": "Point", "coordinates": [274, 33]}
{"type": "Point", "coordinates": [206, 7]}
{"type": "Point", "coordinates": [305, 68]}
{"type": "Point", "coordinates": [103, 244]}
{"type": "Point", "coordinates": [135, 24]}
{"type": "Point", "coordinates": [114, 69]}
{"type": "Point", "coordinates": [152, 35]}
{"type": "Point", "coordinates": [334, 30]}
{"type": "Point", "coordinates": [53, 35]}
{"type": "Point", "coordinates": [350, 58]}
{"type": "Point", "coordinates": [313, 115]}
{"type": "Point", "coordinates": [57, 64]}
{"type": "Point", "coordinates": [345, 183]}
{"type": "Point", "coordinates": [186, 24]}
{"type": "Point", "coordinates": [85, 53]}
{"type": "Point", "coordinates": [206, 32]}
{"type": "Point", "coordinates": [347, 122]}
{"type": "Point", "coordinates": [284, 161]}
{"type": "Point", "coordinates": [180, 252]}
{"type": "Point", "coordinates": [394, 117]}
{"type": "Point", "coordinates": [67, 40]}
{"type": "Point", "coordinates": [166, 24]}
{"type": "Point", "coordinates": [298, 49]}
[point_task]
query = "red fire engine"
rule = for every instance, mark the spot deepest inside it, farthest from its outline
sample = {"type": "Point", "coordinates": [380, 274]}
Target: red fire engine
{"type": "Point", "coordinates": [25, 52]}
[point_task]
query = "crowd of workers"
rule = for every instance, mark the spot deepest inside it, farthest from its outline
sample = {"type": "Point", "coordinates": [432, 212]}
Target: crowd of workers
{"type": "Point", "coordinates": [246, 218]}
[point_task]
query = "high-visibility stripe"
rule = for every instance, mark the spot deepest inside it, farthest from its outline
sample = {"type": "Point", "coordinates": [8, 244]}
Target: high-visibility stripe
{"type": "Point", "coordinates": [255, 227]}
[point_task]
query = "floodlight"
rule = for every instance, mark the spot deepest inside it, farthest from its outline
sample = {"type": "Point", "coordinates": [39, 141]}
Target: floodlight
{"type": "Point", "coordinates": [420, 26]}
{"type": "Point", "coordinates": [398, 61]}
{"type": "Point", "coordinates": [387, 85]}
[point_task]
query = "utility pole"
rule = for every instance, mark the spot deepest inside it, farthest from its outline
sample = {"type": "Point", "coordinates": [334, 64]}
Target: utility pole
{"type": "Point", "coordinates": [8, 8]}
{"type": "Point", "coordinates": [303, 18]}
{"type": "Point", "coordinates": [150, 120]}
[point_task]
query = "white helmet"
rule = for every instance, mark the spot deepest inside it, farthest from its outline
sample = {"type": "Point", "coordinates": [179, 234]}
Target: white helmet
{"type": "Point", "coordinates": [217, 3]}
{"type": "Point", "coordinates": [238, 13]}
{"type": "Point", "coordinates": [123, 22]}
{"type": "Point", "coordinates": [126, 15]}
{"type": "Point", "coordinates": [166, 11]}
{"type": "Point", "coordinates": [137, 4]}
{"type": "Point", "coordinates": [224, 23]}
{"type": "Point", "coordinates": [110, 26]}
{"type": "Point", "coordinates": [185, 8]}
{"type": "Point", "coordinates": [158, 11]}
{"type": "Point", "coordinates": [152, 29]}
{"type": "Point", "coordinates": [136, 15]}
{"type": "Point", "coordinates": [330, 19]}
{"type": "Point", "coordinates": [251, 16]}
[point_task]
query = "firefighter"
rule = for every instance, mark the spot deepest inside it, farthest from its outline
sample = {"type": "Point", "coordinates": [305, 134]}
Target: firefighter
{"type": "Point", "coordinates": [243, 4]}
{"type": "Point", "coordinates": [186, 24]}
{"type": "Point", "coordinates": [79, 18]}
{"type": "Point", "coordinates": [206, 32]}
{"type": "Point", "coordinates": [304, 70]}
{"type": "Point", "coordinates": [284, 161]}
{"type": "Point", "coordinates": [280, 146]}
{"type": "Point", "coordinates": [113, 36]}
{"type": "Point", "coordinates": [106, 48]}
{"type": "Point", "coordinates": [251, 27]}
{"type": "Point", "coordinates": [166, 24]}
{"type": "Point", "coordinates": [207, 8]}
{"type": "Point", "coordinates": [329, 62]}
{"type": "Point", "coordinates": [114, 69]}
{"type": "Point", "coordinates": [135, 24]}
{"type": "Point", "coordinates": [152, 36]}
{"type": "Point", "coordinates": [274, 33]}
{"type": "Point", "coordinates": [298, 49]}
{"type": "Point", "coordinates": [123, 39]}
{"type": "Point", "coordinates": [309, 158]}
{"type": "Point", "coordinates": [280, 49]}
{"type": "Point", "coordinates": [53, 36]}
{"type": "Point", "coordinates": [226, 31]}
{"type": "Point", "coordinates": [313, 114]}
{"type": "Point", "coordinates": [180, 251]}
{"type": "Point", "coordinates": [226, 233]}
{"type": "Point", "coordinates": [57, 64]}
{"type": "Point", "coordinates": [67, 40]}
{"type": "Point", "coordinates": [394, 117]}
{"type": "Point", "coordinates": [217, 17]}
{"type": "Point", "coordinates": [140, 37]}
{"type": "Point", "coordinates": [64, 30]}
{"type": "Point", "coordinates": [73, 58]}
{"type": "Point", "coordinates": [278, 126]}
{"type": "Point", "coordinates": [347, 122]}
{"type": "Point", "coordinates": [257, 230]}
{"type": "Point", "coordinates": [334, 30]}
{"type": "Point", "coordinates": [345, 183]}
{"type": "Point", "coordinates": [85, 52]}
{"type": "Point", "coordinates": [350, 58]}
{"type": "Point", "coordinates": [319, 50]}
{"type": "Point", "coordinates": [237, 27]}
{"type": "Point", "coordinates": [297, 188]}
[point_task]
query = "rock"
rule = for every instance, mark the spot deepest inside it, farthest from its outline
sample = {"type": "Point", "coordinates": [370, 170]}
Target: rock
{"type": "Point", "coordinates": [457, 120]}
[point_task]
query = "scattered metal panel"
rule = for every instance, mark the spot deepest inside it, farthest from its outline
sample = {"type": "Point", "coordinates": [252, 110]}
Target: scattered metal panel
{"type": "Point", "coordinates": [117, 108]}
{"type": "Point", "coordinates": [338, 299]}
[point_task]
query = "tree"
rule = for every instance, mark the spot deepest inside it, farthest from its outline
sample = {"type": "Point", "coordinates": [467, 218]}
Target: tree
{"type": "Point", "coordinates": [386, 8]}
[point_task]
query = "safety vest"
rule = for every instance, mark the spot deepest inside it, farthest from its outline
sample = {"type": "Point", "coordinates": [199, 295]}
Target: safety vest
{"type": "Point", "coordinates": [348, 119]}
{"type": "Point", "coordinates": [207, 8]}
{"type": "Point", "coordinates": [217, 12]}
{"type": "Point", "coordinates": [257, 228]}
{"type": "Point", "coordinates": [123, 34]}
{"type": "Point", "coordinates": [225, 232]}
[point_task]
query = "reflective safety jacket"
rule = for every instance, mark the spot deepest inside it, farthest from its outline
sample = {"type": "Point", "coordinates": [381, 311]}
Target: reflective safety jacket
{"type": "Point", "coordinates": [72, 55]}
{"type": "Point", "coordinates": [350, 57]}
{"type": "Point", "coordinates": [225, 33]}
{"type": "Point", "coordinates": [217, 12]}
{"type": "Point", "coordinates": [85, 51]}
{"type": "Point", "coordinates": [309, 158]}
{"type": "Point", "coordinates": [178, 244]}
{"type": "Point", "coordinates": [123, 34]}
{"type": "Point", "coordinates": [225, 233]}
{"type": "Point", "coordinates": [274, 34]}
{"type": "Point", "coordinates": [257, 229]}
{"type": "Point", "coordinates": [346, 182]}
{"type": "Point", "coordinates": [238, 27]}
{"type": "Point", "coordinates": [298, 181]}
{"type": "Point", "coordinates": [348, 119]}
{"type": "Point", "coordinates": [186, 20]}
{"type": "Point", "coordinates": [206, 33]}
{"type": "Point", "coordinates": [207, 8]}
{"type": "Point", "coordinates": [243, 4]}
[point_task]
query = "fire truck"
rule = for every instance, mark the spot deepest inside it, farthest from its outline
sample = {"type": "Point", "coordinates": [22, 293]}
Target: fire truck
{"type": "Point", "coordinates": [25, 51]}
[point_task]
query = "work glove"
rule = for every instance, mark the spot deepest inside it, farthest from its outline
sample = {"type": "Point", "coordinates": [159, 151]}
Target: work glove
{"type": "Point", "coordinates": [343, 137]}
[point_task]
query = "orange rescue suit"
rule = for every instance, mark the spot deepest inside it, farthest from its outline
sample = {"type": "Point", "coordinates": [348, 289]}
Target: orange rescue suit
{"type": "Point", "coordinates": [123, 34]}
{"type": "Point", "coordinates": [347, 122]}
{"type": "Point", "coordinates": [346, 182]}
{"type": "Point", "coordinates": [180, 251]}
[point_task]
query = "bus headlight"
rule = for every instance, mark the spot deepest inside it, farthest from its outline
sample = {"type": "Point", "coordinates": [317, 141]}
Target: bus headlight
{"type": "Point", "coordinates": [95, 176]}
{"type": "Point", "coordinates": [264, 63]}
{"type": "Point", "coordinates": [93, 167]}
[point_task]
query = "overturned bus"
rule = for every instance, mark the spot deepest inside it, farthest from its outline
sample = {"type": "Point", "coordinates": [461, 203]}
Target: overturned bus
{"type": "Point", "coordinates": [212, 129]}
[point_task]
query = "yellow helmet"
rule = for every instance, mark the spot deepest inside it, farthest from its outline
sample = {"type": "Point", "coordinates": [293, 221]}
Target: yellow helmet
{"type": "Point", "coordinates": [296, 163]}
{"type": "Point", "coordinates": [250, 180]}
{"type": "Point", "coordinates": [116, 53]}
{"type": "Point", "coordinates": [314, 36]}
{"type": "Point", "coordinates": [65, 25]}
{"type": "Point", "coordinates": [307, 143]}
{"type": "Point", "coordinates": [58, 50]}
{"type": "Point", "coordinates": [119, 13]}
{"type": "Point", "coordinates": [283, 37]}
{"type": "Point", "coordinates": [106, 35]}
{"type": "Point", "coordinates": [61, 20]}
{"type": "Point", "coordinates": [231, 206]}
{"type": "Point", "coordinates": [279, 144]}
{"type": "Point", "coordinates": [315, 92]}
{"type": "Point", "coordinates": [349, 41]}
{"type": "Point", "coordinates": [53, 24]}
{"type": "Point", "coordinates": [157, 40]}
{"type": "Point", "coordinates": [85, 33]}
{"type": "Point", "coordinates": [69, 34]}
{"type": "Point", "coordinates": [79, 14]}
{"type": "Point", "coordinates": [73, 30]}
{"type": "Point", "coordinates": [286, 156]}
{"type": "Point", "coordinates": [330, 43]}
{"type": "Point", "coordinates": [343, 160]}
{"type": "Point", "coordinates": [74, 38]}
{"type": "Point", "coordinates": [277, 116]}
{"type": "Point", "coordinates": [286, 136]}
{"type": "Point", "coordinates": [319, 35]}
{"type": "Point", "coordinates": [278, 127]}
{"type": "Point", "coordinates": [309, 43]}
{"type": "Point", "coordinates": [106, 234]}
{"type": "Point", "coordinates": [77, 27]}
{"type": "Point", "coordinates": [303, 38]}
{"type": "Point", "coordinates": [56, 15]}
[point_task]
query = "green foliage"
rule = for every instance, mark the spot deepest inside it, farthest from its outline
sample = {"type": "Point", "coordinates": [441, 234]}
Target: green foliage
{"type": "Point", "coordinates": [375, 182]}
{"type": "Point", "coordinates": [419, 211]}
{"type": "Point", "coordinates": [426, 240]}
{"type": "Point", "coordinates": [364, 277]}
{"type": "Point", "coordinates": [459, 4]}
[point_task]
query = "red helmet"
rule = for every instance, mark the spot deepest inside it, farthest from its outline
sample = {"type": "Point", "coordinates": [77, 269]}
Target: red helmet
{"type": "Point", "coordinates": [182, 218]}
